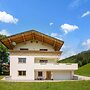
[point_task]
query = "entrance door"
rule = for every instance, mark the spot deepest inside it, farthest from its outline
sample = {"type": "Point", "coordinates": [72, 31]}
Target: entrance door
{"type": "Point", "coordinates": [48, 75]}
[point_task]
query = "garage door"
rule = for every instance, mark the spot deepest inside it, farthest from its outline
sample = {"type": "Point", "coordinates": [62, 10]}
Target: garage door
{"type": "Point", "coordinates": [62, 75]}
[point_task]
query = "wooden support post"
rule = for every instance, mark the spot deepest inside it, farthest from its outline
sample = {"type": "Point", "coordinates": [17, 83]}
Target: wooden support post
{"type": "Point", "coordinates": [42, 39]}
{"type": "Point", "coordinates": [23, 36]}
{"type": "Point", "coordinates": [10, 42]}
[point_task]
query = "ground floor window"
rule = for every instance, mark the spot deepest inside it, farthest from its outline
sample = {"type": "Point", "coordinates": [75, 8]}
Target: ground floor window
{"type": "Point", "coordinates": [22, 73]}
{"type": "Point", "coordinates": [39, 74]}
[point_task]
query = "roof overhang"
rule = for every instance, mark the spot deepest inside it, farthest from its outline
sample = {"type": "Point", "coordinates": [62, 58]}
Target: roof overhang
{"type": "Point", "coordinates": [32, 35]}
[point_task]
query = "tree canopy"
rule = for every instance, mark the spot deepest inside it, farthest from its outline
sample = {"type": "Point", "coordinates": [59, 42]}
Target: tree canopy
{"type": "Point", "coordinates": [3, 53]}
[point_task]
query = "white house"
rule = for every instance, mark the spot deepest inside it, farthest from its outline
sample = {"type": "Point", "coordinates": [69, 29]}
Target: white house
{"type": "Point", "coordinates": [34, 56]}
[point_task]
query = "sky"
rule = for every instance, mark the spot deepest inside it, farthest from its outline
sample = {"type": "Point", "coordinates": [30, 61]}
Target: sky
{"type": "Point", "coordinates": [67, 20]}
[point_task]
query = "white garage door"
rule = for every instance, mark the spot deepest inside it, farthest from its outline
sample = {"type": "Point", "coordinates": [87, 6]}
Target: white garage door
{"type": "Point", "coordinates": [62, 75]}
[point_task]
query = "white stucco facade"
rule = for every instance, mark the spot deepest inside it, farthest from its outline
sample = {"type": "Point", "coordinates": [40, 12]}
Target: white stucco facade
{"type": "Point", "coordinates": [33, 67]}
{"type": "Point", "coordinates": [34, 45]}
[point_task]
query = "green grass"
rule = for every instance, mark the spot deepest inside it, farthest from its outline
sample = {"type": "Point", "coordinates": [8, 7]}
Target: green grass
{"type": "Point", "coordinates": [84, 70]}
{"type": "Point", "coordinates": [1, 76]}
{"type": "Point", "coordinates": [67, 85]}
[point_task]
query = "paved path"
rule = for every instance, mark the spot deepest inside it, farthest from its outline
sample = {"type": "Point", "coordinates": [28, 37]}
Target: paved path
{"type": "Point", "coordinates": [82, 77]}
{"type": "Point", "coordinates": [76, 77]}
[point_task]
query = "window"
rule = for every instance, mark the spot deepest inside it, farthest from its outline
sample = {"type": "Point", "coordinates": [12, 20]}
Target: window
{"type": "Point", "coordinates": [31, 41]}
{"type": "Point", "coordinates": [36, 41]}
{"type": "Point", "coordinates": [43, 49]}
{"type": "Point", "coordinates": [21, 60]}
{"type": "Point", "coordinates": [22, 73]}
{"type": "Point", "coordinates": [23, 48]}
{"type": "Point", "coordinates": [43, 61]}
{"type": "Point", "coordinates": [39, 74]}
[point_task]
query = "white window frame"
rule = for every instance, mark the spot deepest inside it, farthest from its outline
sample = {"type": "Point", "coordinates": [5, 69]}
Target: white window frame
{"type": "Point", "coordinates": [23, 72]}
{"type": "Point", "coordinates": [21, 60]}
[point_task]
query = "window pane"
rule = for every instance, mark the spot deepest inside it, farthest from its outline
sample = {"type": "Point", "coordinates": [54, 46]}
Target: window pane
{"type": "Point", "coordinates": [43, 61]}
{"type": "Point", "coordinates": [24, 73]}
{"type": "Point", "coordinates": [22, 60]}
{"type": "Point", "coordinates": [39, 74]}
{"type": "Point", "coordinates": [20, 73]}
{"type": "Point", "coordinates": [43, 49]}
{"type": "Point", "coordinates": [23, 48]}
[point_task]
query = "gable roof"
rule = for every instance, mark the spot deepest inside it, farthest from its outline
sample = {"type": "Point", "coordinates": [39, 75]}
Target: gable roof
{"type": "Point", "coordinates": [31, 35]}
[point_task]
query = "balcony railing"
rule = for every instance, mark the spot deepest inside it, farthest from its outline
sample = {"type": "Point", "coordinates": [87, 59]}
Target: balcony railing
{"type": "Point", "coordinates": [35, 52]}
{"type": "Point", "coordinates": [51, 66]}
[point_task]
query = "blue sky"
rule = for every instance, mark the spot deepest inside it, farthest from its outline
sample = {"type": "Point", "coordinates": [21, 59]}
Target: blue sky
{"type": "Point", "coordinates": [68, 20]}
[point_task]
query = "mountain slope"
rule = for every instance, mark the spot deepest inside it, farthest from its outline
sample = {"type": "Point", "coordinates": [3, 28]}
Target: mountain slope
{"type": "Point", "coordinates": [81, 58]}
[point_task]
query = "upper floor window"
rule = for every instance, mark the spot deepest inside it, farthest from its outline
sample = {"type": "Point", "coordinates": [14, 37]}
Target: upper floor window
{"type": "Point", "coordinates": [43, 61]}
{"type": "Point", "coordinates": [36, 41]}
{"type": "Point", "coordinates": [21, 60]}
{"type": "Point", "coordinates": [23, 48]}
{"type": "Point", "coordinates": [43, 49]}
{"type": "Point", "coordinates": [31, 41]}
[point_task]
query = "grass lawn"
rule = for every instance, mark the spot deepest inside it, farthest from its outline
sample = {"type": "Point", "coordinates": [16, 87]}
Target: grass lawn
{"type": "Point", "coordinates": [66, 85]}
{"type": "Point", "coordinates": [84, 70]}
{"type": "Point", "coordinates": [1, 77]}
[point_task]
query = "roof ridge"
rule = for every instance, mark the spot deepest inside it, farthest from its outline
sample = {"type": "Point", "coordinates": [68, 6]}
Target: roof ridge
{"type": "Point", "coordinates": [38, 35]}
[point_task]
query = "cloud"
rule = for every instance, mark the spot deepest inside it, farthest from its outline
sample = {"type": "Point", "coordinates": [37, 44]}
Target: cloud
{"type": "Point", "coordinates": [86, 14]}
{"type": "Point", "coordinates": [67, 51]}
{"type": "Point", "coordinates": [68, 28]}
{"type": "Point", "coordinates": [7, 18]}
{"type": "Point", "coordinates": [86, 44]}
{"type": "Point", "coordinates": [4, 32]}
{"type": "Point", "coordinates": [51, 23]}
{"type": "Point", "coordinates": [77, 3]}
{"type": "Point", "coordinates": [56, 35]}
